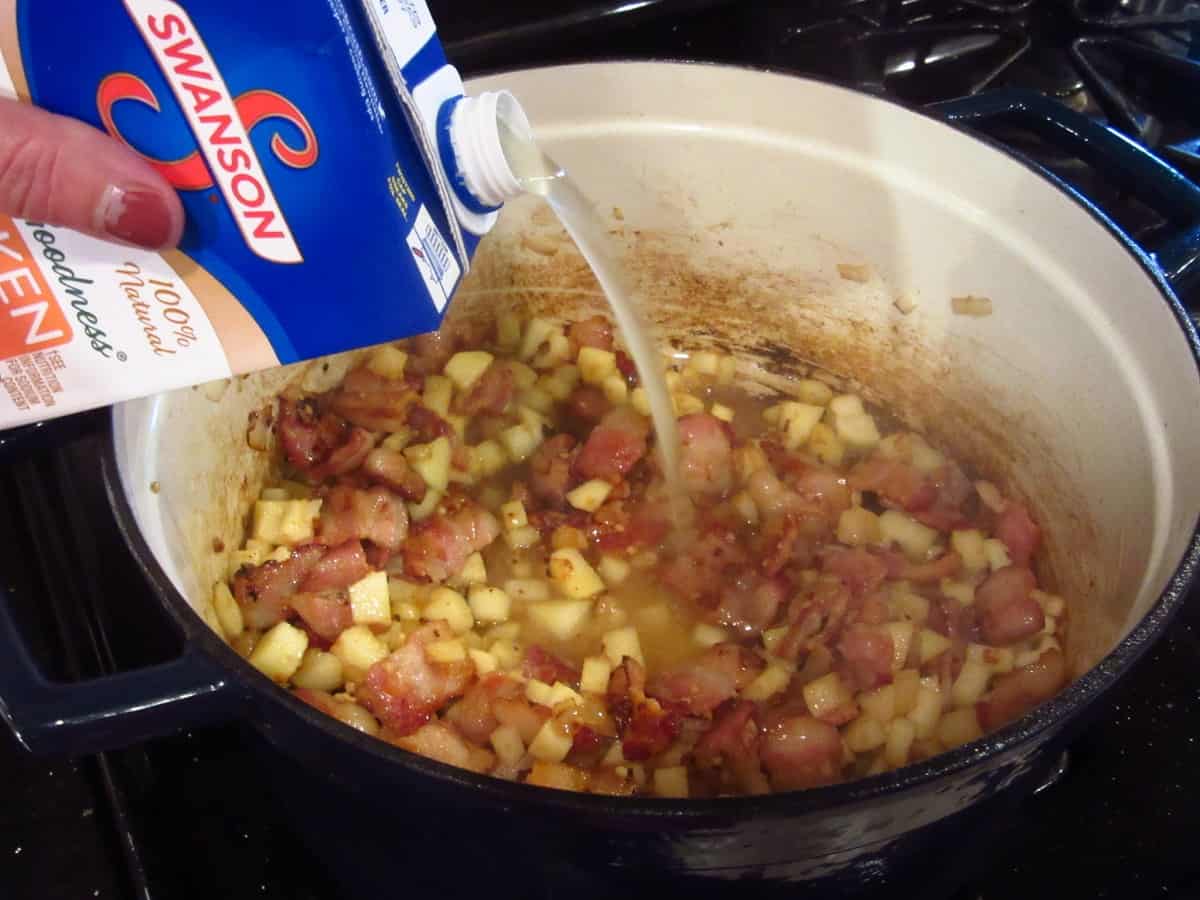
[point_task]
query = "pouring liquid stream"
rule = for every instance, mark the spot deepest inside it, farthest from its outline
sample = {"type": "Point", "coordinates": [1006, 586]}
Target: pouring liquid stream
{"type": "Point", "coordinates": [539, 174]}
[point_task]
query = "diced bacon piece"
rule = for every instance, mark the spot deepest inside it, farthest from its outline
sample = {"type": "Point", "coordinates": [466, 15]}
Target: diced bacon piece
{"type": "Point", "coordinates": [587, 745]}
{"type": "Point", "coordinates": [321, 445]}
{"type": "Point", "coordinates": [588, 403]}
{"type": "Point", "coordinates": [440, 741]}
{"type": "Point", "coordinates": [862, 572]}
{"type": "Point", "coordinates": [626, 690]}
{"type": "Point", "coordinates": [426, 424]}
{"type": "Point", "coordinates": [752, 602]}
{"type": "Point", "coordinates": [730, 748]}
{"type": "Point", "coordinates": [371, 401]}
{"type": "Point", "coordinates": [801, 752]}
{"type": "Point", "coordinates": [697, 573]}
{"type": "Point", "coordinates": [439, 546]}
{"type": "Point", "coordinates": [406, 688]}
{"type": "Point", "coordinates": [1022, 689]}
{"type": "Point", "coordinates": [473, 715]}
{"type": "Point", "coordinates": [545, 666]}
{"type": "Point", "coordinates": [627, 368]}
{"type": "Point", "coordinates": [700, 686]}
{"type": "Point", "coordinates": [953, 489]}
{"type": "Point", "coordinates": [644, 527]}
{"type": "Point", "coordinates": [392, 469]}
{"type": "Point", "coordinates": [263, 591]}
{"type": "Point", "coordinates": [896, 482]}
{"type": "Point", "coordinates": [945, 566]}
{"type": "Point", "coordinates": [517, 712]}
{"type": "Point", "coordinates": [550, 469]}
{"type": "Point", "coordinates": [340, 567]}
{"type": "Point", "coordinates": [814, 617]}
{"type": "Point", "coordinates": [825, 488]}
{"type": "Point", "coordinates": [614, 446]}
{"type": "Point", "coordinates": [594, 332]}
{"type": "Point", "coordinates": [949, 617]}
{"type": "Point", "coordinates": [650, 732]}
{"type": "Point", "coordinates": [1007, 612]}
{"type": "Point", "coordinates": [491, 393]}
{"type": "Point", "coordinates": [429, 353]}
{"type": "Point", "coordinates": [790, 540]}
{"type": "Point", "coordinates": [867, 653]}
{"type": "Point", "coordinates": [705, 454]}
{"type": "Point", "coordinates": [1016, 528]}
{"type": "Point", "coordinates": [345, 458]}
{"type": "Point", "coordinates": [326, 613]}
{"type": "Point", "coordinates": [374, 515]}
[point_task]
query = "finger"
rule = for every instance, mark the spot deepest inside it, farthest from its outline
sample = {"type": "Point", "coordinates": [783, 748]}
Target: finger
{"type": "Point", "coordinates": [64, 172]}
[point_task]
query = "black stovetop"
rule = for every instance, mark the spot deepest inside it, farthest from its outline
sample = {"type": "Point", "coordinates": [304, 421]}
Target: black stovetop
{"type": "Point", "coordinates": [189, 816]}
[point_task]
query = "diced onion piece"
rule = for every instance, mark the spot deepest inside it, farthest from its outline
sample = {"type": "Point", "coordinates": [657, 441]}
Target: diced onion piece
{"type": "Point", "coordinates": [595, 364]}
{"type": "Point", "coordinates": [388, 362]}
{"type": "Point", "coordinates": [451, 607]}
{"type": "Point", "coordinates": [427, 507]}
{"type": "Point", "coordinates": [279, 652]}
{"type": "Point", "coordinates": [902, 638]}
{"type": "Point", "coordinates": [489, 604]}
{"type": "Point", "coordinates": [574, 575]}
{"type": "Point", "coordinates": [858, 527]}
{"type": "Point", "coordinates": [879, 704]}
{"type": "Point", "coordinates": [959, 726]}
{"type": "Point", "coordinates": [565, 619]}
{"type": "Point", "coordinates": [594, 677]}
{"type": "Point", "coordinates": [914, 538]}
{"type": "Point", "coordinates": [901, 734]}
{"type": "Point", "coordinates": [319, 671]}
{"type": "Point", "coordinates": [447, 651]}
{"type": "Point", "coordinates": [229, 614]}
{"type": "Point", "coordinates": [825, 445]}
{"type": "Point", "coordinates": [671, 781]}
{"type": "Point", "coordinates": [508, 745]}
{"type": "Point", "coordinates": [465, 367]}
{"type": "Point", "coordinates": [522, 538]}
{"type": "Point", "coordinates": [969, 545]}
{"type": "Point", "coordinates": [436, 396]}
{"type": "Point", "coordinates": [284, 521]}
{"type": "Point", "coordinates": [358, 649]}
{"type": "Point", "coordinates": [769, 682]}
{"type": "Point", "coordinates": [431, 461]}
{"type": "Point", "coordinates": [796, 420]}
{"type": "Point", "coordinates": [613, 570]}
{"type": "Point", "coordinates": [513, 515]}
{"type": "Point", "coordinates": [370, 602]}
{"type": "Point", "coordinates": [926, 712]}
{"type": "Point", "coordinates": [622, 642]}
{"type": "Point", "coordinates": [552, 743]}
{"type": "Point", "coordinates": [865, 734]}
{"type": "Point", "coordinates": [996, 552]}
{"type": "Point", "coordinates": [485, 662]}
{"type": "Point", "coordinates": [825, 694]}
{"type": "Point", "coordinates": [931, 644]}
{"type": "Point", "coordinates": [970, 684]}
{"type": "Point", "coordinates": [705, 635]}
{"type": "Point", "coordinates": [590, 495]}
{"type": "Point", "coordinates": [520, 441]}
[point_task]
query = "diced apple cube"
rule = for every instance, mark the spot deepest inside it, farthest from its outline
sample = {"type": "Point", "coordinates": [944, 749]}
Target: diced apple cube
{"type": "Point", "coordinates": [485, 663]}
{"type": "Point", "coordinates": [846, 405]}
{"type": "Point", "coordinates": [968, 544]}
{"type": "Point", "coordinates": [486, 459]}
{"type": "Point", "coordinates": [686, 404]}
{"type": "Point", "coordinates": [906, 683]}
{"type": "Point", "coordinates": [508, 745]}
{"type": "Point", "coordinates": [996, 552]}
{"type": "Point", "coordinates": [465, 367]}
{"type": "Point", "coordinates": [527, 590]}
{"type": "Point", "coordinates": [912, 537]}
{"type": "Point", "coordinates": [574, 575]}
{"type": "Point", "coordinates": [358, 649]}
{"type": "Point", "coordinates": [522, 538]}
{"type": "Point", "coordinates": [448, 651]}
{"type": "Point", "coordinates": [796, 420]}
{"type": "Point", "coordinates": [931, 644]}
{"type": "Point", "coordinates": [284, 521]}
{"type": "Point", "coordinates": [722, 412]}
{"type": "Point", "coordinates": [279, 652]}
{"type": "Point", "coordinates": [879, 704]}
{"type": "Point", "coordinates": [436, 396]}
{"type": "Point", "coordinates": [489, 604]}
{"type": "Point", "coordinates": [970, 684]}
{"type": "Point", "coordinates": [557, 776]}
{"type": "Point", "coordinates": [825, 694]}
{"type": "Point", "coordinates": [997, 659]}
{"type": "Point", "coordinates": [552, 743]}
{"type": "Point", "coordinates": [865, 734]}
{"type": "Point", "coordinates": [858, 527]}
{"type": "Point", "coordinates": [671, 781]}
{"type": "Point", "coordinates": [561, 693]}
{"type": "Point", "coordinates": [538, 692]}
{"type": "Point", "coordinates": [703, 362]}
{"type": "Point", "coordinates": [858, 432]}
{"type": "Point", "coordinates": [811, 391]}
{"type": "Point", "coordinates": [595, 674]}
{"type": "Point", "coordinates": [616, 391]}
{"type": "Point", "coordinates": [319, 671]}
{"type": "Point", "coordinates": [901, 734]}
{"type": "Point", "coordinates": [925, 714]}
{"type": "Point", "coordinates": [640, 400]}
{"type": "Point", "coordinates": [229, 614]}
{"type": "Point", "coordinates": [370, 602]}
{"type": "Point", "coordinates": [902, 638]}
{"type": "Point", "coordinates": [726, 370]}
{"type": "Point", "coordinates": [431, 461]}
{"type": "Point", "coordinates": [507, 652]}
{"type": "Point", "coordinates": [595, 364]}
{"type": "Point", "coordinates": [613, 569]}
{"type": "Point", "coordinates": [388, 362]}
{"type": "Point", "coordinates": [705, 635]}
{"type": "Point", "coordinates": [513, 515]}
{"type": "Point", "coordinates": [910, 607]}
{"type": "Point", "coordinates": [520, 441]}
{"type": "Point", "coordinates": [772, 636]}
{"type": "Point", "coordinates": [960, 726]}
{"type": "Point", "coordinates": [565, 619]}
{"type": "Point", "coordinates": [537, 399]}
{"type": "Point", "coordinates": [962, 591]}
{"type": "Point", "coordinates": [769, 682]}
{"type": "Point", "coordinates": [622, 642]}
{"type": "Point", "coordinates": [590, 495]}
{"type": "Point", "coordinates": [428, 505]}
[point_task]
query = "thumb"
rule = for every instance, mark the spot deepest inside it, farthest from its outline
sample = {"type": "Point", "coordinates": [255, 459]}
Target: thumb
{"type": "Point", "coordinates": [64, 172]}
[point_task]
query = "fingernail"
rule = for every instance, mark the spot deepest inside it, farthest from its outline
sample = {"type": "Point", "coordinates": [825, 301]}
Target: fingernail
{"type": "Point", "coordinates": [135, 216]}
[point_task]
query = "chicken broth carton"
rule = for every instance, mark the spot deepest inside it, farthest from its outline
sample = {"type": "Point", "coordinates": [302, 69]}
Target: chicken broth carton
{"type": "Point", "coordinates": [335, 180]}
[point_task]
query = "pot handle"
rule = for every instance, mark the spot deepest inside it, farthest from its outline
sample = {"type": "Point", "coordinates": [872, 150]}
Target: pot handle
{"type": "Point", "coordinates": [1159, 184]}
{"type": "Point", "coordinates": [107, 712]}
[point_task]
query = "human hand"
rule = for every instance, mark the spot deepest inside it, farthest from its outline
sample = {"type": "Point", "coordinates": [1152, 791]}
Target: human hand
{"type": "Point", "coordinates": [60, 171]}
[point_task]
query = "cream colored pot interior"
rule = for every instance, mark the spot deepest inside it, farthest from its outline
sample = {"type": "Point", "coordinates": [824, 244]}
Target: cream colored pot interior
{"type": "Point", "coordinates": [736, 195]}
